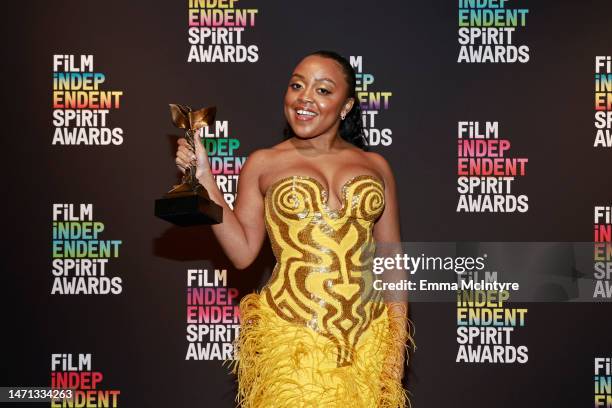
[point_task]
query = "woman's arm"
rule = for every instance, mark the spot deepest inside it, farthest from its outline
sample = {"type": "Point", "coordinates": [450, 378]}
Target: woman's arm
{"type": "Point", "coordinates": [242, 232]}
{"type": "Point", "coordinates": [388, 244]}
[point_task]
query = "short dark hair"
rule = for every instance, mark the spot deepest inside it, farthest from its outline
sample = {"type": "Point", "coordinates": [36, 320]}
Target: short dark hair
{"type": "Point", "coordinates": [351, 128]}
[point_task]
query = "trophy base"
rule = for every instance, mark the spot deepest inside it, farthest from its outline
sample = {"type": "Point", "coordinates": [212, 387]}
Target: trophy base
{"type": "Point", "coordinates": [188, 208]}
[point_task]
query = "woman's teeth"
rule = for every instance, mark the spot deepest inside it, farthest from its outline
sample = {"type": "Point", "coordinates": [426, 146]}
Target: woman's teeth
{"type": "Point", "coordinates": [303, 112]}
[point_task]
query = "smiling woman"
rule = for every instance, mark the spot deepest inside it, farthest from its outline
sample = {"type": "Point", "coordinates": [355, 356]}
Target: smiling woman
{"type": "Point", "coordinates": [318, 334]}
{"type": "Point", "coordinates": [330, 91]}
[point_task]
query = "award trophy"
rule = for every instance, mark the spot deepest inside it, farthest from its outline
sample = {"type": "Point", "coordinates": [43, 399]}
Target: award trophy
{"type": "Point", "coordinates": [189, 203]}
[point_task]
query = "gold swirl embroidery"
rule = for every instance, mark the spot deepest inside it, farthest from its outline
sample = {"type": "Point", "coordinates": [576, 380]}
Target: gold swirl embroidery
{"type": "Point", "coordinates": [324, 257]}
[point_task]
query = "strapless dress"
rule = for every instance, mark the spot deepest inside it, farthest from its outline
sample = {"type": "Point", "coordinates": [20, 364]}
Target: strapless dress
{"type": "Point", "coordinates": [318, 334]}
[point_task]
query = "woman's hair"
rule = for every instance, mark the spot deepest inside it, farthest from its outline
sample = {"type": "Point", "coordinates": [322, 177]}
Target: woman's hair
{"type": "Point", "coordinates": [351, 128]}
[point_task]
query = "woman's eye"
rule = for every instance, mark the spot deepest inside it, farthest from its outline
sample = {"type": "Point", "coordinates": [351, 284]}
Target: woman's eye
{"type": "Point", "coordinates": [324, 91]}
{"type": "Point", "coordinates": [294, 86]}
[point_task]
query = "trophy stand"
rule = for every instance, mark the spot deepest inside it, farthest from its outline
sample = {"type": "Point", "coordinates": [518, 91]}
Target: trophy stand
{"type": "Point", "coordinates": [189, 203]}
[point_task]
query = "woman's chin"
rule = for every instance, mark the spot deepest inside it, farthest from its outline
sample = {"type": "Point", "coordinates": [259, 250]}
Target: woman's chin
{"type": "Point", "coordinates": [303, 132]}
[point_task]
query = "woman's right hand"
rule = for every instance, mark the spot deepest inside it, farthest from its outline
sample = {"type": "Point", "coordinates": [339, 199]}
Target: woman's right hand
{"type": "Point", "coordinates": [185, 156]}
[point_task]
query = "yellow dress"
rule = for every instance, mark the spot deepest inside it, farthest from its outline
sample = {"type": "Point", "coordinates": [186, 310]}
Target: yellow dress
{"type": "Point", "coordinates": [317, 334]}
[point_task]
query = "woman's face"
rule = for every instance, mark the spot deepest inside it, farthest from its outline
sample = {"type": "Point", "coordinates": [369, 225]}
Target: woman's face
{"type": "Point", "coordinates": [316, 96]}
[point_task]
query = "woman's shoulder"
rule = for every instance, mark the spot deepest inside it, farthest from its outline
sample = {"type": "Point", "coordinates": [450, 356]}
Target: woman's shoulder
{"type": "Point", "coordinates": [259, 161]}
{"type": "Point", "coordinates": [262, 163]}
{"type": "Point", "coordinates": [375, 157]}
{"type": "Point", "coordinates": [381, 164]}
{"type": "Point", "coordinates": [265, 154]}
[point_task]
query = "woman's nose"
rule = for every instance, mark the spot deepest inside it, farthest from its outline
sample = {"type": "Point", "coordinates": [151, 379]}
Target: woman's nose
{"type": "Point", "coordinates": [306, 95]}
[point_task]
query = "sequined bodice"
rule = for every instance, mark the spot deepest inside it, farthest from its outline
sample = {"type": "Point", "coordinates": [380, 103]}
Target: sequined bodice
{"type": "Point", "coordinates": [322, 278]}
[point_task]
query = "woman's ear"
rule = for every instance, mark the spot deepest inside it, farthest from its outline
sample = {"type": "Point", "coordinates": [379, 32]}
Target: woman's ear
{"type": "Point", "coordinates": [348, 105]}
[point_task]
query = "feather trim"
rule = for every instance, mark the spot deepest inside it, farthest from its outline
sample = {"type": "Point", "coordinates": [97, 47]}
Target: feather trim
{"type": "Point", "coordinates": [280, 364]}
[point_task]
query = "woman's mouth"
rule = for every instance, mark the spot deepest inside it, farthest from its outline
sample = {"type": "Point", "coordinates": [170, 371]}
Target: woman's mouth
{"type": "Point", "coordinates": [303, 114]}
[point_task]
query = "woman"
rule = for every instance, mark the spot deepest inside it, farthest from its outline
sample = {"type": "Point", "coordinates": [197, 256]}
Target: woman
{"type": "Point", "coordinates": [317, 335]}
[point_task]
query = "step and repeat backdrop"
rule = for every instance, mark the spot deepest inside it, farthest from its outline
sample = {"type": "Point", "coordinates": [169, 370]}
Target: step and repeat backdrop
{"type": "Point", "coordinates": [495, 116]}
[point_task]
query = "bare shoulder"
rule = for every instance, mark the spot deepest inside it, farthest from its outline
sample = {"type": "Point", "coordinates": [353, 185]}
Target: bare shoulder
{"type": "Point", "coordinates": [270, 153]}
{"type": "Point", "coordinates": [281, 145]}
{"type": "Point", "coordinates": [258, 160]}
{"type": "Point", "coordinates": [380, 164]}
{"type": "Point", "coordinates": [260, 165]}
{"type": "Point", "coordinates": [259, 156]}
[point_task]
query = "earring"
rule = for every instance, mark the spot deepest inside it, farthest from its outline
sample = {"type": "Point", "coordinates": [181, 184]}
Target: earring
{"type": "Point", "coordinates": [342, 116]}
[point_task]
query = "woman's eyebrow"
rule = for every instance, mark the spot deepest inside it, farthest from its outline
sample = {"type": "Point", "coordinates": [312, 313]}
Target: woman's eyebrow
{"type": "Point", "coordinates": [316, 79]}
{"type": "Point", "coordinates": [326, 79]}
